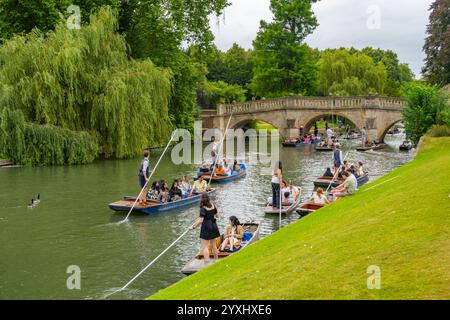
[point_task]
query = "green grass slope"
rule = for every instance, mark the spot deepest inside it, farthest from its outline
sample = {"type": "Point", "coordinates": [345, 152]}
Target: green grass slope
{"type": "Point", "coordinates": [400, 223]}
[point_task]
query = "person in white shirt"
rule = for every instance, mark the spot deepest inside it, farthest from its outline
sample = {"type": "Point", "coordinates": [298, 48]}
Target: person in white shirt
{"type": "Point", "coordinates": [330, 134]}
{"type": "Point", "coordinates": [319, 197]}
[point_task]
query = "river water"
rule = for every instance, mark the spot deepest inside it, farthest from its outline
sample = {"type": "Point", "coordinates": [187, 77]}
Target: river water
{"type": "Point", "coordinates": [73, 226]}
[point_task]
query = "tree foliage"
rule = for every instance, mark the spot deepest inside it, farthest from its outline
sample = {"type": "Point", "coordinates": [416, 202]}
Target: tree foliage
{"type": "Point", "coordinates": [283, 64]}
{"type": "Point", "coordinates": [426, 106]}
{"type": "Point", "coordinates": [437, 44]}
{"type": "Point", "coordinates": [214, 93]}
{"type": "Point", "coordinates": [30, 144]}
{"type": "Point", "coordinates": [84, 80]}
{"type": "Point", "coordinates": [397, 73]}
{"type": "Point", "coordinates": [345, 73]}
{"type": "Point", "coordinates": [22, 16]}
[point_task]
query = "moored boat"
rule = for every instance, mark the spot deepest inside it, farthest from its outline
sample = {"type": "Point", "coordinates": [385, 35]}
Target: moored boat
{"type": "Point", "coordinates": [251, 234]}
{"type": "Point", "coordinates": [323, 149]}
{"type": "Point", "coordinates": [374, 147]}
{"type": "Point", "coordinates": [286, 208]}
{"type": "Point", "coordinates": [306, 208]}
{"type": "Point", "coordinates": [154, 206]}
{"type": "Point", "coordinates": [296, 144]}
{"type": "Point", "coordinates": [324, 182]}
{"type": "Point", "coordinates": [226, 178]}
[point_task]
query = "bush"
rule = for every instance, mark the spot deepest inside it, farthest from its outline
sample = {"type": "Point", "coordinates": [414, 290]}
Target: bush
{"type": "Point", "coordinates": [425, 106]}
{"type": "Point", "coordinates": [31, 144]}
{"type": "Point", "coordinates": [439, 131]}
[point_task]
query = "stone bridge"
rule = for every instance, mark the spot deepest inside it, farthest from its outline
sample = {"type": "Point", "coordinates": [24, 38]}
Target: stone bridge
{"type": "Point", "coordinates": [377, 114]}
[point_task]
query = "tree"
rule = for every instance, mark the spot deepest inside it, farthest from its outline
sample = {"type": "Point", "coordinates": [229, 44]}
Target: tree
{"type": "Point", "coordinates": [84, 80]}
{"type": "Point", "coordinates": [22, 16]}
{"type": "Point", "coordinates": [397, 73]}
{"type": "Point", "coordinates": [283, 64]}
{"type": "Point", "coordinates": [346, 72]}
{"type": "Point", "coordinates": [425, 107]}
{"type": "Point", "coordinates": [214, 93]}
{"type": "Point", "coordinates": [437, 44]}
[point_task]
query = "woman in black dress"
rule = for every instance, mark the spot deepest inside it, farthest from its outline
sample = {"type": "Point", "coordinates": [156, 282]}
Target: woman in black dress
{"type": "Point", "coordinates": [209, 231]}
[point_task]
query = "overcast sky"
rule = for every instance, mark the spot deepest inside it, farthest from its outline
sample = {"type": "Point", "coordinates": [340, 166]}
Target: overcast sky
{"type": "Point", "coordinates": [398, 25]}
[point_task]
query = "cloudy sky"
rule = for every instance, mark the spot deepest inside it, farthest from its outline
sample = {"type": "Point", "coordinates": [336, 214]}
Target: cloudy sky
{"type": "Point", "coordinates": [398, 25]}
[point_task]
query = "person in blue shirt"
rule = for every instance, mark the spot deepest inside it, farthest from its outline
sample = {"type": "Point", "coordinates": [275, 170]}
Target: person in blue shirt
{"type": "Point", "coordinates": [144, 174]}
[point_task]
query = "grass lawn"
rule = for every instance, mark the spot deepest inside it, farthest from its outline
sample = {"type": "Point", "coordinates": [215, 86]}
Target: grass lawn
{"type": "Point", "coordinates": [400, 223]}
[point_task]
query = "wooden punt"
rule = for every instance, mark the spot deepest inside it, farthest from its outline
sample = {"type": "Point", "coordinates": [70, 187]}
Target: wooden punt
{"type": "Point", "coordinates": [5, 163]}
{"type": "Point", "coordinates": [152, 206]}
{"type": "Point", "coordinates": [296, 144]}
{"type": "Point", "coordinates": [323, 149]}
{"type": "Point", "coordinates": [251, 234]}
{"type": "Point", "coordinates": [285, 208]}
{"type": "Point", "coordinates": [225, 179]}
{"type": "Point", "coordinates": [306, 208]}
{"type": "Point", "coordinates": [324, 182]}
{"type": "Point", "coordinates": [376, 147]}
{"type": "Point", "coordinates": [405, 147]}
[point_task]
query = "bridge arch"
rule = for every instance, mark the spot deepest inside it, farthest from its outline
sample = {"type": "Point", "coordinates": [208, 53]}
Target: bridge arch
{"type": "Point", "coordinates": [385, 129]}
{"type": "Point", "coordinates": [309, 122]}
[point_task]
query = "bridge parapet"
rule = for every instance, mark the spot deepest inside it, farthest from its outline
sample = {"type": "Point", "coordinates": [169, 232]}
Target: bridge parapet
{"type": "Point", "coordinates": [311, 103]}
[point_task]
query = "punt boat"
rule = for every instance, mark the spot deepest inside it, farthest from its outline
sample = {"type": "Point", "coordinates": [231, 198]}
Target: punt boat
{"type": "Point", "coordinates": [324, 182]}
{"type": "Point", "coordinates": [251, 234]}
{"type": "Point", "coordinates": [296, 144]}
{"type": "Point", "coordinates": [375, 147]}
{"type": "Point", "coordinates": [154, 206]}
{"type": "Point", "coordinates": [224, 179]}
{"type": "Point", "coordinates": [323, 149]}
{"type": "Point", "coordinates": [306, 208]}
{"type": "Point", "coordinates": [285, 208]}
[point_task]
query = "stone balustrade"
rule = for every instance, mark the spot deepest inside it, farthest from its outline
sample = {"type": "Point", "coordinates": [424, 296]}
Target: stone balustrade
{"type": "Point", "coordinates": [311, 103]}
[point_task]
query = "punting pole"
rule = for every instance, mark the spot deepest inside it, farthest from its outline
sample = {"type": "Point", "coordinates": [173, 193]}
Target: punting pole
{"type": "Point", "coordinates": [150, 264]}
{"type": "Point", "coordinates": [151, 175]}
{"type": "Point", "coordinates": [220, 149]}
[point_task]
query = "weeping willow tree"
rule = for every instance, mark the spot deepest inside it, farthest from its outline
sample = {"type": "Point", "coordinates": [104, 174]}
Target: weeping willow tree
{"type": "Point", "coordinates": [32, 144]}
{"type": "Point", "coordinates": [84, 80]}
{"type": "Point", "coordinates": [344, 73]}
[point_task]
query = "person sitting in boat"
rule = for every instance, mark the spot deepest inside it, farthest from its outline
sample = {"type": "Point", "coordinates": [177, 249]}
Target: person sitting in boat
{"type": "Point", "coordinates": [236, 168]}
{"type": "Point", "coordinates": [347, 188]}
{"type": "Point", "coordinates": [175, 193]}
{"type": "Point", "coordinates": [164, 191]}
{"type": "Point", "coordinates": [287, 199]}
{"type": "Point", "coordinates": [233, 235]}
{"type": "Point", "coordinates": [199, 186]}
{"type": "Point", "coordinates": [360, 169]}
{"type": "Point", "coordinates": [153, 192]}
{"type": "Point", "coordinates": [307, 140]}
{"type": "Point", "coordinates": [294, 191]}
{"type": "Point", "coordinates": [319, 197]}
{"type": "Point", "coordinates": [204, 169]}
{"type": "Point", "coordinates": [226, 166]}
{"type": "Point", "coordinates": [220, 171]}
{"type": "Point", "coordinates": [185, 186]}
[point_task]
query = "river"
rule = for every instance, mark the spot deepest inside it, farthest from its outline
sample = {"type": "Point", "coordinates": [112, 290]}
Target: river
{"type": "Point", "coordinates": [73, 225]}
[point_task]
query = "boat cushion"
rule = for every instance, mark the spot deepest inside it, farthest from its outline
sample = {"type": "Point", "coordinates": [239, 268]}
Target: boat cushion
{"type": "Point", "coordinates": [247, 236]}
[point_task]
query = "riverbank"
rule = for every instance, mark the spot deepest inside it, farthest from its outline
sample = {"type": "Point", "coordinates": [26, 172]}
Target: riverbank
{"type": "Point", "coordinates": [399, 223]}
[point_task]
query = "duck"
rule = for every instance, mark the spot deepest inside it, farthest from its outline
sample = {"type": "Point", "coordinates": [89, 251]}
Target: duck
{"type": "Point", "coordinates": [34, 202]}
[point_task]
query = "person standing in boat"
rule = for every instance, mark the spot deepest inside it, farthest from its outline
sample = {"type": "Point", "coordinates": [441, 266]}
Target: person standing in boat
{"type": "Point", "coordinates": [144, 174]}
{"type": "Point", "coordinates": [277, 177]}
{"type": "Point", "coordinates": [209, 231]}
{"type": "Point", "coordinates": [337, 158]}
{"type": "Point", "coordinates": [363, 136]}
{"type": "Point", "coordinates": [316, 130]}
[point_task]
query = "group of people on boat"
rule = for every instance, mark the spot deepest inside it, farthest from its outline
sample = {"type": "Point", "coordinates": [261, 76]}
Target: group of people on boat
{"type": "Point", "coordinates": [223, 168]}
{"type": "Point", "coordinates": [209, 232]}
